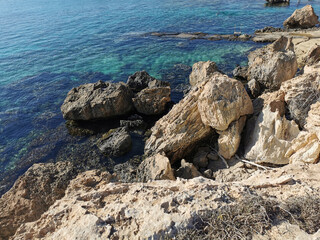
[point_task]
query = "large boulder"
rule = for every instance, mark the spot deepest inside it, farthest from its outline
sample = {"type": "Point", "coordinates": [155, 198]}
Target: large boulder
{"type": "Point", "coordinates": [273, 64]}
{"type": "Point", "coordinates": [97, 100]}
{"type": "Point", "coordinates": [212, 104]}
{"type": "Point", "coordinates": [139, 81]}
{"type": "Point", "coordinates": [201, 71]}
{"type": "Point", "coordinates": [152, 101]}
{"type": "Point", "coordinates": [116, 142]}
{"type": "Point", "coordinates": [270, 137]}
{"type": "Point", "coordinates": [32, 194]}
{"type": "Point", "coordinates": [300, 93]}
{"type": "Point", "coordinates": [312, 56]}
{"type": "Point", "coordinates": [302, 18]}
{"type": "Point", "coordinates": [156, 167]}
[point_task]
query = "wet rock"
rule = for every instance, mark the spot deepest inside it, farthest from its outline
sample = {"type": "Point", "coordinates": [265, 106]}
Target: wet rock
{"type": "Point", "coordinates": [254, 87]}
{"type": "Point", "coordinates": [116, 142]}
{"type": "Point", "coordinates": [302, 18]}
{"type": "Point", "coordinates": [202, 71]}
{"type": "Point", "coordinates": [32, 194]}
{"type": "Point", "coordinates": [97, 100]}
{"type": "Point", "coordinates": [187, 170]}
{"type": "Point", "coordinates": [304, 148]}
{"type": "Point", "coordinates": [273, 64]}
{"type": "Point", "coordinates": [156, 167]}
{"type": "Point", "coordinates": [300, 93]}
{"type": "Point", "coordinates": [139, 81]}
{"type": "Point", "coordinates": [240, 73]}
{"type": "Point", "coordinates": [229, 140]}
{"type": "Point", "coordinates": [152, 101]}
{"type": "Point", "coordinates": [215, 103]}
{"type": "Point", "coordinates": [270, 138]}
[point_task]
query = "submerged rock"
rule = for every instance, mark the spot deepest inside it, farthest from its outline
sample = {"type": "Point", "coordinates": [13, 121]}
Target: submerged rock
{"type": "Point", "coordinates": [201, 71]}
{"type": "Point", "coordinates": [273, 64]}
{"type": "Point", "coordinates": [212, 104]}
{"type": "Point", "coordinates": [97, 100]}
{"type": "Point", "coordinates": [302, 18]}
{"type": "Point", "coordinates": [32, 194]}
{"type": "Point", "coordinates": [116, 142]}
{"type": "Point", "coordinates": [152, 101]}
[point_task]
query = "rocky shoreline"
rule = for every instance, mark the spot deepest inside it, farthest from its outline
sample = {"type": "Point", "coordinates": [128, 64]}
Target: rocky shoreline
{"type": "Point", "coordinates": [225, 143]}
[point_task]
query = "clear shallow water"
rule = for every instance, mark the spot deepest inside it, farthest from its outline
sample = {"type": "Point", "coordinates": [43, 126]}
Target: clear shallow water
{"type": "Point", "coordinates": [48, 47]}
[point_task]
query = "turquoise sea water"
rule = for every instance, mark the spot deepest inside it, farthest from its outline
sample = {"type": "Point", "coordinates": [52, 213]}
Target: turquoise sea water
{"type": "Point", "coordinates": [48, 47]}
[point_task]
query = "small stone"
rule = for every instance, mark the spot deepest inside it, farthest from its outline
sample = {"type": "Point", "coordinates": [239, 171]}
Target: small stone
{"type": "Point", "coordinates": [200, 159]}
{"type": "Point", "coordinates": [207, 173]}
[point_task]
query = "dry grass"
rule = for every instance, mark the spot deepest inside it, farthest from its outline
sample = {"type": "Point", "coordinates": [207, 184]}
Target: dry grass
{"type": "Point", "coordinates": [254, 215]}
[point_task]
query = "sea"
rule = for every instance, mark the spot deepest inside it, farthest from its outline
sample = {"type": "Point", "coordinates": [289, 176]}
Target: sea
{"type": "Point", "coordinates": [49, 47]}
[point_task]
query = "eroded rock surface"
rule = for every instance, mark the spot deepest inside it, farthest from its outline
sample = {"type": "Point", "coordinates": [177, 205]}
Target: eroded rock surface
{"type": "Point", "coordinates": [32, 194]}
{"type": "Point", "coordinates": [273, 64]}
{"type": "Point", "coordinates": [302, 18]}
{"type": "Point", "coordinates": [97, 100]}
{"type": "Point", "coordinates": [201, 71]}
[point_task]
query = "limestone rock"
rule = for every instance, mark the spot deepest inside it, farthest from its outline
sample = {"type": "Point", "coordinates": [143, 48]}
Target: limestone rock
{"type": "Point", "coordinates": [273, 64]}
{"type": "Point", "coordinates": [305, 148]}
{"type": "Point", "coordinates": [300, 93]}
{"type": "Point", "coordinates": [215, 102]}
{"type": "Point", "coordinates": [254, 87]}
{"type": "Point", "coordinates": [222, 101]}
{"type": "Point", "coordinates": [229, 140]}
{"type": "Point", "coordinates": [312, 56]}
{"type": "Point", "coordinates": [270, 138]}
{"type": "Point", "coordinates": [116, 142]}
{"type": "Point", "coordinates": [302, 18]}
{"type": "Point", "coordinates": [273, 99]}
{"type": "Point", "coordinates": [178, 132]}
{"type": "Point", "coordinates": [240, 73]}
{"type": "Point", "coordinates": [201, 71]}
{"type": "Point", "coordinates": [152, 101]}
{"type": "Point", "coordinates": [139, 81]}
{"type": "Point", "coordinates": [97, 100]}
{"type": "Point", "coordinates": [313, 119]}
{"type": "Point", "coordinates": [187, 170]}
{"type": "Point", "coordinates": [32, 194]}
{"type": "Point", "coordinates": [156, 167]}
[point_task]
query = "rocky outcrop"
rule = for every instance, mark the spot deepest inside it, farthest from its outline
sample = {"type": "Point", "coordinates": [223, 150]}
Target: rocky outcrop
{"type": "Point", "coordinates": [32, 194]}
{"type": "Point", "coordinates": [116, 142]}
{"type": "Point", "coordinates": [139, 81]}
{"type": "Point", "coordinates": [222, 101]}
{"type": "Point", "coordinates": [273, 99]}
{"type": "Point", "coordinates": [214, 103]}
{"type": "Point", "coordinates": [313, 119]}
{"type": "Point", "coordinates": [156, 167]}
{"type": "Point", "coordinates": [97, 100]}
{"type": "Point", "coordinates": [273, 64]}
{"type": "Point", "coordinates": [270, 138]}
{"type": "Point", "coordinates": [304, 148]}
{"type": "Point", "coordinates": [300, 93]}
{"type": "Point", "coordinates": [312, 56]}
{"type": "Point", "coordinates": [302, 18]}
{"type": "Point", "coordinates": [229, 140]}
{"type": "Point", "coordinates": [202, 71]}
{"type": "Point", "coordinates": [152, 101]}
{"type": "Point", "coordinates": [240, 73]}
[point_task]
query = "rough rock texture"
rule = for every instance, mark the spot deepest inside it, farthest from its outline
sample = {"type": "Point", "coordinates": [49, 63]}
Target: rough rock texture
{"type": "Point", "coordinates": [305, 148]}
{"type": "Point", "coordinates": [187, 170]}
{"type": "Point", "coordinates": [215, 103]}
{"type": "Point", "coordinates": [200, 159]}
{"type": "Point", "coordinates": [312, 56]}
{"type": "Point", "coordinates": [93, 208]}
{"type": "Point", "coordinates": [254, 87]}
{"type": "Point", "coordinates": [274, 99]}
{"type": "Point", "coordinates": [300, 93]}
{"type": "Point", "coordinates": [229, 140]}
{"type": "Point", "coordinates": [273, 64]}
{"type": "Point", "coordinates": [302, 18]}
{"type": "Point", "coordinates": [97, 100]}
{"type": "Point", "coordinates": [116, 142]}
{"type": "Point", "coordinates": [313, 119]}
{"type": "Point", "coordinates": [139, 81]}
{"type": "Point", "coordinates": [222, 101]}
{"type": "Point", "coordinates": [201, 71]}
{"type": "Point", "coordinates": [152, 101]}
{"type": "Point", "coordinates": [240, 73]}
{"type": "Point", "coordinates": [270, 138]}
{"type": "Point", "coordinates": [156, 167]}
{"type": "Point", "coordinates": [32, 195]}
